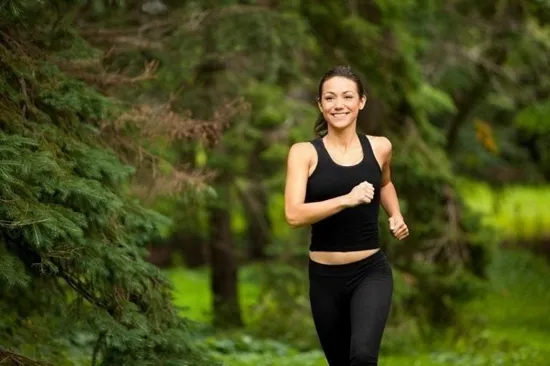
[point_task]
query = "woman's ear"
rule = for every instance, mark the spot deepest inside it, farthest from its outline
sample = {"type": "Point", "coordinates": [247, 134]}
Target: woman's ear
{"type": "Point", "coordinates": [363, 101]}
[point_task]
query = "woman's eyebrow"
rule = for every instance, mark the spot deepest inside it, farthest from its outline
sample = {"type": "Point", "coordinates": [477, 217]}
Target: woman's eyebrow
{"type": "Point", "coordinates": [344, 92]}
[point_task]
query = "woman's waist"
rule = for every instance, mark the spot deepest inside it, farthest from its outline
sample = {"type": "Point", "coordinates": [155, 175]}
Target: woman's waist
{"type": "Point", "coordinates": [340, 258]}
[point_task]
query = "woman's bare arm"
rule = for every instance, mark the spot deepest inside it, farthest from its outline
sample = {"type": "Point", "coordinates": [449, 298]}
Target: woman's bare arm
{"type": "Point", "coordinates": [297, 212]}
{"type": "Point", "coordinates": [388, 194]}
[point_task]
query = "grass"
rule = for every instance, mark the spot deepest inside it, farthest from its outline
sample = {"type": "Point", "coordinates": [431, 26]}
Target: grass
{"type": "Point", "coordinates": [193, 296]}
{"type": "Point", "coordinates": [509, 325]}
{"type": "Point", "coordinates": [516, 311]}
{"type": "Point", "coordinates": [518, 212]}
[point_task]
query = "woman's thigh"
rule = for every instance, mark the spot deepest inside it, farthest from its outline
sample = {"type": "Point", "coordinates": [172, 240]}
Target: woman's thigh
{"type": "Point", "coordinates": [369, 310]}
{"type": "Point", "coordinates": [331, 317]}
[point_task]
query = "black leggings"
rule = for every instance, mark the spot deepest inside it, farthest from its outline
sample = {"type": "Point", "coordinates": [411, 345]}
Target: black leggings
{"type": "Point", "coordinates": [350, 304]}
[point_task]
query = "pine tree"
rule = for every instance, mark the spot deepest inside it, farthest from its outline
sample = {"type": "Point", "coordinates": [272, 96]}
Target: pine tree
{"type": "Point", "coordinates": [74, 286]}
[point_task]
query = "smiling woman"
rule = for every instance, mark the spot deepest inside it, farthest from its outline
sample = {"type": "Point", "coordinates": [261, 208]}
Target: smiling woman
{"type": "Point", "coordinates": [336, 183]}
{"type": "Point", "coordinates": [341, 96]}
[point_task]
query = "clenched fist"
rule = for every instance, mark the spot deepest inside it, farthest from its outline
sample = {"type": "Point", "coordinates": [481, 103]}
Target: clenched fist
{"type": "Point", "coordinates": [361, 193]}
{"type": "Point", "coordinates": [398, 227]}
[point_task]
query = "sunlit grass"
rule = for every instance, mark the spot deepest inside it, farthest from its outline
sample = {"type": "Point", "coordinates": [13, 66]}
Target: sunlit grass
{"type": "Point", "coordinates": [517, 212]}
{"type": "Point", "coordinates": [193, 296]}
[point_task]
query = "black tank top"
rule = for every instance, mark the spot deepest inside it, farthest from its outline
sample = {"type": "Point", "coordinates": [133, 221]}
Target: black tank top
{"type": "Point", "coordinates": [354, 228]}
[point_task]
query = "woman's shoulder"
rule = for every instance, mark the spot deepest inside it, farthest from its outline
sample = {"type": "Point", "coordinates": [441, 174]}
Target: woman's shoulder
{"type": "Point", "coordinates": [381, 143]}
{"type": "Point", "coordinates": [303, 150]}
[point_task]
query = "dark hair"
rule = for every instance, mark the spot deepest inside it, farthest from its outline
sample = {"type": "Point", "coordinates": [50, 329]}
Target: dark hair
{"type": "Point", "coordinates": [321, 125]}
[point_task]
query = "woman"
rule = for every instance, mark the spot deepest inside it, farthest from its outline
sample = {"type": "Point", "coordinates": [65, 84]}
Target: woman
{"type": "Point", "coordinates": [336, 183]}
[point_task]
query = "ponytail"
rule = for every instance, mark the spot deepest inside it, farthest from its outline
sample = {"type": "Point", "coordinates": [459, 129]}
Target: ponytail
{"type": "Point", "coordinates": [321, 126]}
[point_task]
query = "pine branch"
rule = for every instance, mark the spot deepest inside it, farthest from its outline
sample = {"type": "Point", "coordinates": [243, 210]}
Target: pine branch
{"type": "Point", "coordinates": [20, 45]}
{"type": "Point", "coordinates": [177, 181]}
{"type": "Point", "coordinates": [105, 79]}
{"type": "Point", "coordinates": [14, 224]}
{"type": "Point", "coordinates": [161, 122]}
{"type": "Point", "coordinates": [81, 64]}
{"type": "Point", "coordinates": [81, 173]}
{"type": "Point", "coordinates": [127, 38]}
{"type": "Point", "coordinates": [97, 346]}
{"type": "Point", "coordinates": [10, 358]}
{"type": "Point", "coordinates": [81, 289]}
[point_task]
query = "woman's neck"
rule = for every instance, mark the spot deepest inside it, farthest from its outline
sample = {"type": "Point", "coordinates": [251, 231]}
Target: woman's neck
{"type": "Point", "coordinates": [342, 139]}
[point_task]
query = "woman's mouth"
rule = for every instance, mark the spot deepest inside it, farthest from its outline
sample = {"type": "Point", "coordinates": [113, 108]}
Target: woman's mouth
{"type": "Point", "coordinates": [339, 114]}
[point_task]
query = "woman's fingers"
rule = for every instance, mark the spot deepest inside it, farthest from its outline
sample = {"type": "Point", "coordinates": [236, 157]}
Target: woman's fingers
{"type": "Point", "coordinates": [398, 228]}
{"type": "Point", "coordinates": [367, 192]}
{"type": "Point", "coordinates": [402, 232]}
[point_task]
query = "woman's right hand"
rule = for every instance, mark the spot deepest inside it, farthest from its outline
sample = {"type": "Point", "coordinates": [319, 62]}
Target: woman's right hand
{"type": "Point", "coordinates": [361, 193]}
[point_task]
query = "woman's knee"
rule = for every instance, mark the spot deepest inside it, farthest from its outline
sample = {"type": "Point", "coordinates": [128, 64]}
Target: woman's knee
{"type": "Point", "coordinates": [362, 356]}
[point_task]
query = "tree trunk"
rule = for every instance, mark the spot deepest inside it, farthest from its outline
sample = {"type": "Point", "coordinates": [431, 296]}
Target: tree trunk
{"type": "Point", "coordinates": [224, 276]}
{"type": "Point", "coordinates": [193, 248]}
{"type": "Point", "coordinates": [223, 262]}
{"type": "Point", "coordinates": [255, 201]}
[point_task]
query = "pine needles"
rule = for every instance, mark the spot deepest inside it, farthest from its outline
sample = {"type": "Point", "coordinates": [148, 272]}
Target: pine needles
{"type": "Point", "coordinates": [71, 237]}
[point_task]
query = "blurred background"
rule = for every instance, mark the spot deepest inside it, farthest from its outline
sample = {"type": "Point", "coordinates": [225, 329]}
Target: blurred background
{"type": "Point", "coordinates": [142, 159]}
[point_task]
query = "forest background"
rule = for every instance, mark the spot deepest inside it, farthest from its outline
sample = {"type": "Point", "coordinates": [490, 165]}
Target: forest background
{"type": "Point", "coordinates": [142, 159]}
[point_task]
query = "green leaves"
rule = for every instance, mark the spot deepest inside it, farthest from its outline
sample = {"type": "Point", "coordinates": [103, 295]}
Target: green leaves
{"type": "Point", "coordinates": [431, 100]}
{"type": "Point", "coordinates": [13, 272]}
{"type": "Point", "coordinates": [534, 118]}
{"type": "Point", "coordinates": [16, 10]}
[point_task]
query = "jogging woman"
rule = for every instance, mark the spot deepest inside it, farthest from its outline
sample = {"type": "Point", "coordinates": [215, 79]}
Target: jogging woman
{"type": "Point", "coordinates": [336, 184]}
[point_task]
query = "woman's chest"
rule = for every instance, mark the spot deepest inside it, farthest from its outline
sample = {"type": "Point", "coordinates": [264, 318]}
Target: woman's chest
{"type": "Point", "coordinates": [330, 183]}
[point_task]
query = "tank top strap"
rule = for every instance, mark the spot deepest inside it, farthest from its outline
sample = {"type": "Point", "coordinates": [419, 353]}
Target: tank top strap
{"type": "Point", "coordinates": [368, 151]}
{"type": "Point", "coordinates": [322, 153]}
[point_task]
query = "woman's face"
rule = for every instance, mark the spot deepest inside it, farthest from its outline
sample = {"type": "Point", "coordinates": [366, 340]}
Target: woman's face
{"type": "Point", "coordinates": [340, 102]}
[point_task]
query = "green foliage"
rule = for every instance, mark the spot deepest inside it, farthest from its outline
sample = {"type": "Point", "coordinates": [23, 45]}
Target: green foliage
{"type": "Point", "coordinates": [511, 313]}
{"type": "Point", "coordinates": [17, 10]}
{"type": "Point", "coordinates": [534, 118]}
{"type": "Point", "coordinates": [71, 237]}
{"type": "Point", "coordinates": [283, 290]}
{"type": "Point", "coordinates": [250, 153]}
{"type": "Point", "coordinates": [432, 100]}
{"type": "Point", "coordinates": [532, 121]}
{"type": "Point", "coordinates": [70, 231]}
{"type": "Point", "coordinates": [269, 56]}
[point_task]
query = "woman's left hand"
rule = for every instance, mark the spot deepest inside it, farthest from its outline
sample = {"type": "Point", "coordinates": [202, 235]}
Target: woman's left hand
{"type": "Point", "coordinates": [398, 227]}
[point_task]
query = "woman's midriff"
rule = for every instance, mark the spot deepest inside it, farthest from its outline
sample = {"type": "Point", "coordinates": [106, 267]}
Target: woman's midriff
{"type": "Point", "coordinates": [341, 257]}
